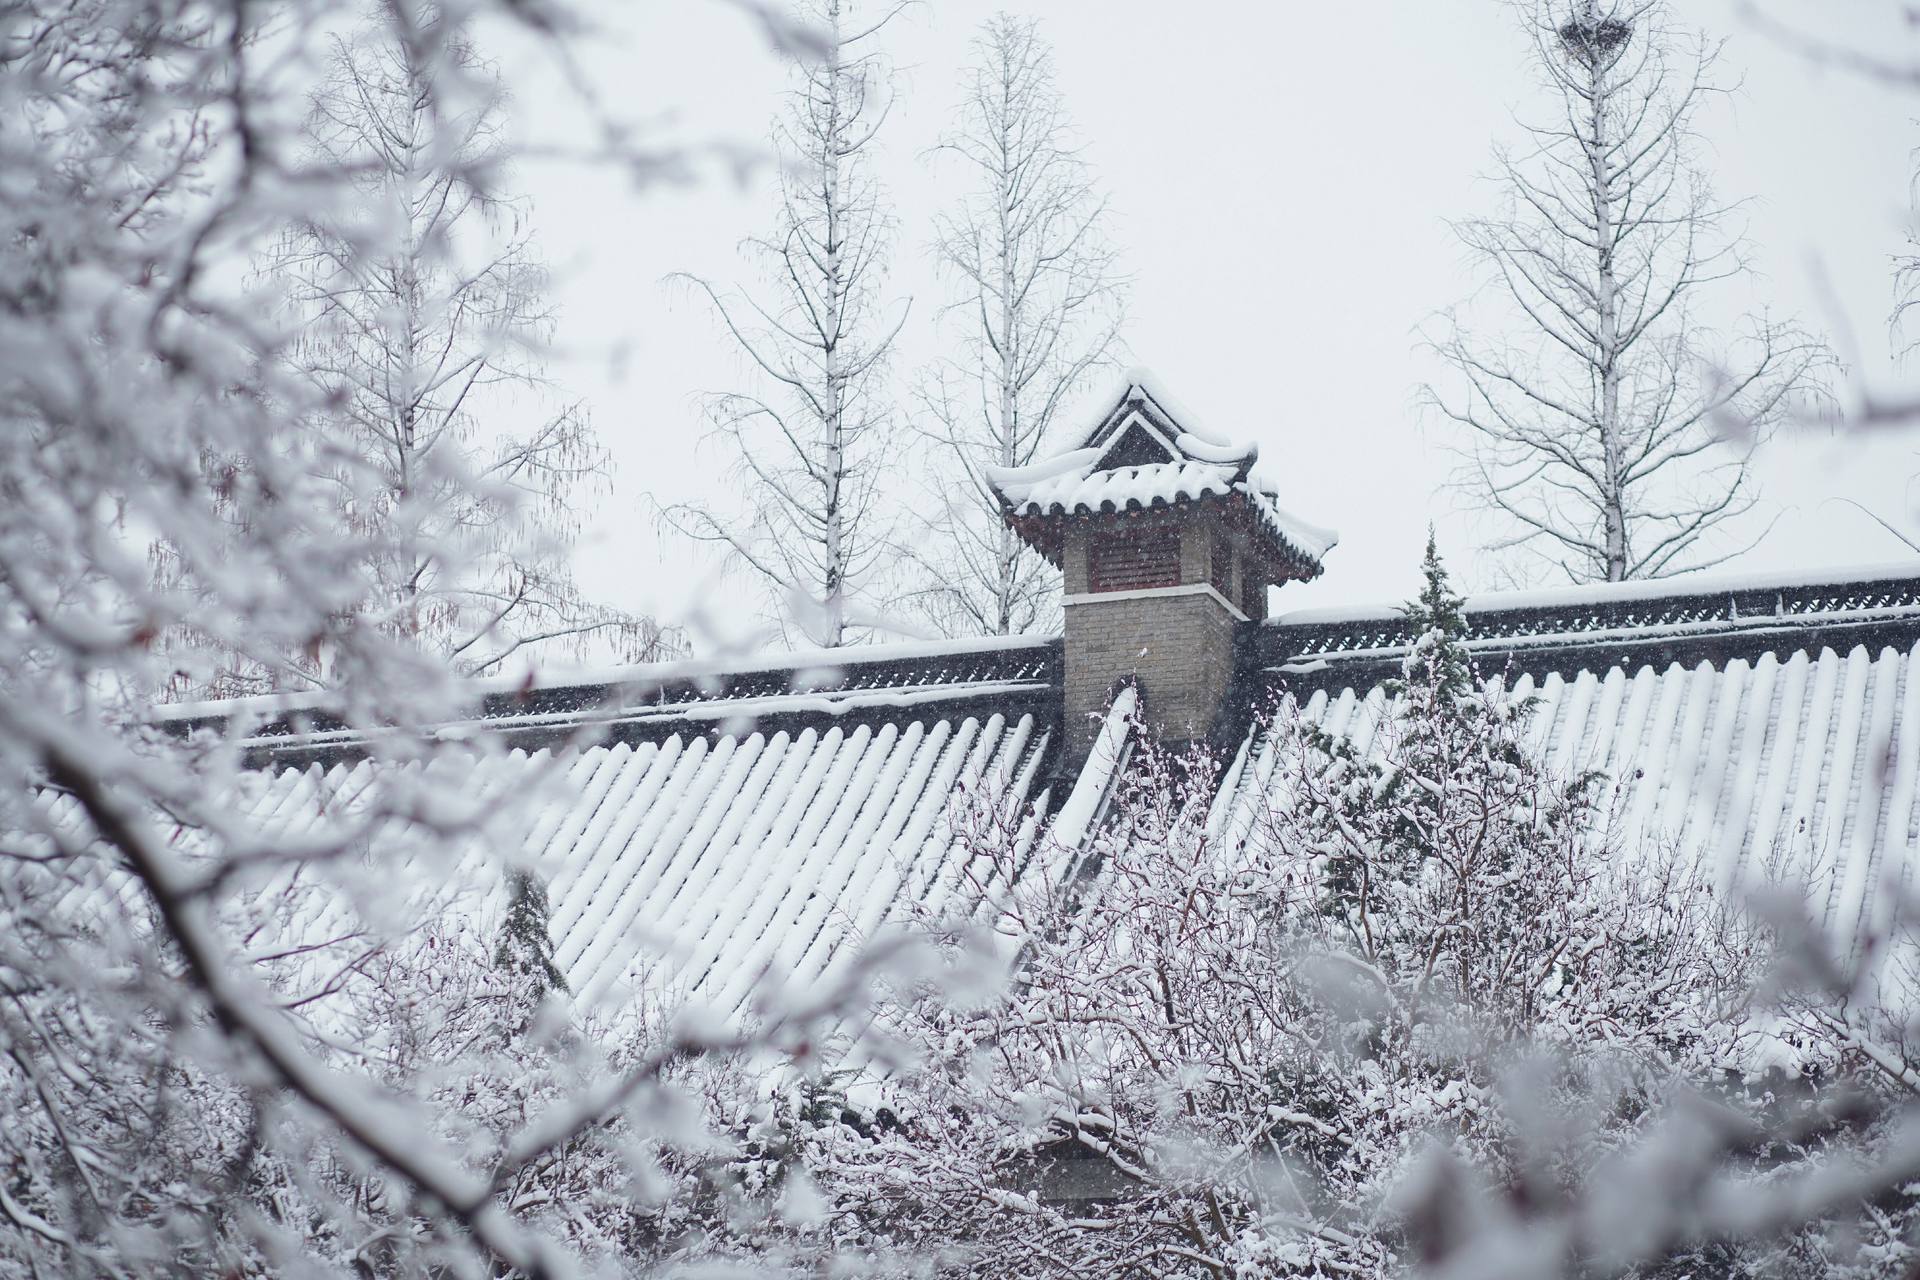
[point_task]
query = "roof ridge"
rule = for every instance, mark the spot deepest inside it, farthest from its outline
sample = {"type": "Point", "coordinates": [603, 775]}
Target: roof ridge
{"type": "Point", "coordinates": [1640, 592]}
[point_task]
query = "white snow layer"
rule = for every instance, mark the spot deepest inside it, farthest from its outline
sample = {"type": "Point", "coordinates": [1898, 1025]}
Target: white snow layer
{"type": "Point", "coordinates": [1200, 464]}
{"type": "Point", "coordinates": [1604, 593]}
{"type": "Point", "coordinates": [1802, 770]}
{"type": "Point", "coordinates": [699, 867]}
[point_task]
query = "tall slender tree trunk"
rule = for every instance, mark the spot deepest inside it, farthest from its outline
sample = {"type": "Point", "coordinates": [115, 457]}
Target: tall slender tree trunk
{"type": "Point", "coordinates": [1007, 347]}
{"type": "Point", "coordinates": [833, 592]}
{"type": "Point", "coordinates": [1607, 306]}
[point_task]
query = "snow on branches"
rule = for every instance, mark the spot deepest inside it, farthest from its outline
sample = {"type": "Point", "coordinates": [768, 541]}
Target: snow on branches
{"type": "Point", "coordinates": [239, 1039]}
{"type": "Point", "coordinates": [1599, 412]}
{"type": "Point", "coordinates": [1288, 1018]}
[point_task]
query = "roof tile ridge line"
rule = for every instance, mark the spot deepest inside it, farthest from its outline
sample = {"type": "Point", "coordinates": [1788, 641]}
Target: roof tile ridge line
{"type": "Point", "coordinates": [1786, 714]}
{"type": "Point", "coordinates": [721, 804]}
{"type": "Point", "coordinates": [886, 805]}
{"type": "Point", "coordinates": [1847, 698]}
{"type": "Point", "coordinates": [1740, 778]}
{"type": "Point", "coordinates": [630, 820]}
{"type": "Point", "coordinates": [1043, 742]}
{"type": "Point", "coordinates": [1574, 713]}
{"type": "Point", "coordinates": [983, 766]}
{"type": "Point", "coordinates": [717, 851]}
{"type": "Point", "coordinates": [963, 761]}
{"type": "Point", "coordinates": [661, 835]}
{"type": "Point", "coordinates": [1711, 786]}
{"type": "Point", "coordinates": [905, 696]}
{"type": "Point", "coordinates": [800, 758]}
{"type": "Point", "coordinates": [833, 761]}
{"type": "Point", "coordinates": [653, 678]}
{"type": "Point", "coordinates": [868, 762]}
{"type": "Point", "coordinates": [1636, 723]}
{"type": "Point", "coordinates": [1681, 799]}
{"type": "Point", "coordinates": [1112, 752]}
{"type": "Point", "coordinates": [1132, 393]}
{"type": "Point", "coordinates": [1822, 687]}
{"type": "Point", "coordinates": [1862, 848]}
{"type": "Point", "coordinates": [1165, 431]}
{"type": "Point", "coordinates": [1263, 767]}
{"type": "Point", "coordinates": [1603, 719]}
{"type": "Point", "coordinates": [1565, 601]}
{"type": "Point", "coordinates": [1013, 772]}
{"type": "Point", "coordinates": [942, 753]}
{"type": "Point", "coordinates": [1746, 625]}
{"type": "Point", "coordinates": [582, 823]}
{"type": "Point", "coordinates": [792, 662]}
{"type": "Point", "coordinates": [1904, 751]}
{"type": "Point", "coordinates": [1226, 791]}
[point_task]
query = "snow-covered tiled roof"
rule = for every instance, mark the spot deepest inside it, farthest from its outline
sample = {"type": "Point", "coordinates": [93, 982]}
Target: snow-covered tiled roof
{"type": "Point", "coordinates": [1085, 489]}
{"type": "Point", "coordinates": [1766, 723]}
{"type": "Point", "coordinates": [632, 704]}
{"type": "Point", "coordinates": [1716, 617]}
{"type": "Point", "coordinates": [725, 820]}
{"type": "Point", "coordinates": [699, 866]}
{"type": "Point", "coordinates": [1804, 766]}
{"type": "Point", "coordinates": [1142, 455]}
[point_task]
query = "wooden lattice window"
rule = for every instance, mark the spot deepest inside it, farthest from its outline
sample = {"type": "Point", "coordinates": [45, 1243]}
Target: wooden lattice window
{"type": "Point", "coordinates": [1220, 566]}
{"type": "Point", "coordinates": [1253, 595]}
{"type": "Point", "coordinates": [1134, 560]}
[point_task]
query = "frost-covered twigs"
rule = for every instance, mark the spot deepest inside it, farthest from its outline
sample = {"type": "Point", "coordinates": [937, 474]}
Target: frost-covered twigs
{"type": "Point", "coordinates": [1036, 305]}
{"type": "Point", "coordinates": [812, 436]}
{"type": "Point", "coordinates": [1239, 1014]}
{"type": "Point", "coordinates": [1715, 1184]}
{"type": "Point", "coordinates": [417, 307]}
{"type": "Point", "coordinates": [247, 1038]}
{"type": "Point", "coordinates": [1602, 442]}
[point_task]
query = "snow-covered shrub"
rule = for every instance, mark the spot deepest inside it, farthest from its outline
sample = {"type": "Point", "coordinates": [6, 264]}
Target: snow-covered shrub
{"type": "Point", "coordinates": [1250, 1011]}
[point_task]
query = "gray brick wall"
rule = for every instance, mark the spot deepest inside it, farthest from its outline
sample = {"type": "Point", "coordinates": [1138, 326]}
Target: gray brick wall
{"type": "Point", "coordinates": [1180, 649]}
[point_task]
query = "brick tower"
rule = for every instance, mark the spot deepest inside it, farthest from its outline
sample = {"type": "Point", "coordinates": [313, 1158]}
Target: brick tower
{"type": "Point", "coordinates": [1168, 540]}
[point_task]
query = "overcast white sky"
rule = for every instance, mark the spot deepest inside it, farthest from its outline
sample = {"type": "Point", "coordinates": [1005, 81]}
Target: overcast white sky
{"type": "Point", "coordinates": [1282, 176]}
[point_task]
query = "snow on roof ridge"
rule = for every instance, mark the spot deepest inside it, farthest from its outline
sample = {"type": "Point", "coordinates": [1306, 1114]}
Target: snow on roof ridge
{"type": "Point", "coordinates": [1621, 592]}
{"type": "Point", "coordinates": [1143, 378]}
{"type": "Point", "coordinates": [1074, 821]}
{"type": "Point", "coordinates": [1314, 539]}
{"type": "Point", "coordinates": [1031, 473]}
{"type": "Point", "coordinates": [651, 673]}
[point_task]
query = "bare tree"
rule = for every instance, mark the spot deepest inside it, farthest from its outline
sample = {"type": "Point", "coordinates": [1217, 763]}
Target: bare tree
{"type": "Point", "coordinates": [1036, 305]}
{"type": "Point", "coordinates": [180, 1091]}
{"type": "Point", "coordinates": [421, 339]}
{"type": "Point", "coordinates": [811, 442]}
{"type": "Point", "coordinates": [1906, 276]}
{"type": "Point", "coordinates": [1596, 424]}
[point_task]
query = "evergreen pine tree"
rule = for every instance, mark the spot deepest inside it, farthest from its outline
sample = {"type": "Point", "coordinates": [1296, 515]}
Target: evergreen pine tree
{"type": "Point", "coordinates": [1431, 722]}
{"type": "Point", "coordinates": [1444, 816]}
{"type": "Point", "coordinates": [525, 949]}
{"type": "Point", "coordinates": [1436, 624]}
